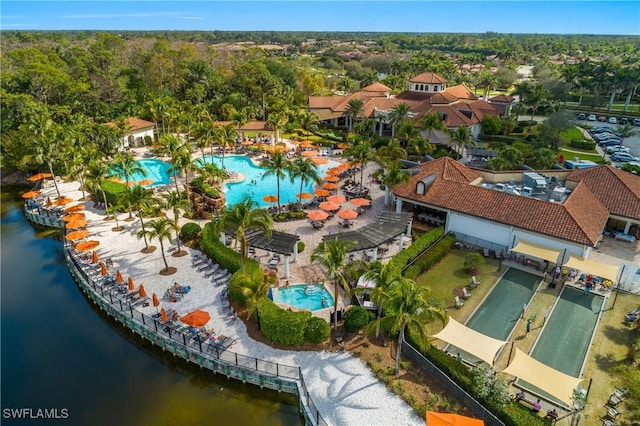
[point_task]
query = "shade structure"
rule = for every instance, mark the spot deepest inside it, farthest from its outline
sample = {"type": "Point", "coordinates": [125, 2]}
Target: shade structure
{"type": "Point", "coordinates": [74, 209]}
{"type": "Point", "coordinates": [319, 161]}
{"type": "Point", "coordinates": [39, 176]}
{"type": "Point", "coordinates": [75, 224]}
{"type": "Point", "coordinates": [469, 340]}
{"type": "Point", "coordinates": [270, 198]}
{"type": "Point", "coordinates": [155, 300]}
{"type": "Point", "coordinates": [103, 269]}
{"type": "Point", "coordinates": [49, 202]}
{"type": "Point", "coordinates": [130, 285]}
{"type": "Point", "coordinates": [330, 186]}
{"type": "Point", "coordinates": [196, 318]}
{"type": "Point", "coordinates": [339, 199]}
{"type": "Point", "coordinates": [94, 257]}
{"type": "Point", "coordinates": [360, 202]}
{"type": "Point", "coordinates": [119, 278]}
{"type": "Point", "coordinates": [603, 270]}
{"type": "Point", "coordinates": [31, 194]}
{"type": "Point", "coordinates": [73, 216]}
{"type": "Point", "coordinates": [77, 235]}
{"type": "Point", "coordinates": [141, 291]}
{"type": "Point", "coordinates": [329, 206]}
{"type": "Point", "coordinates": [347, 214]}
{"type": "Point", "coordinates": [550, 380]}
{"type": "Point", "coordinates": [87, 245]}
{"type": "Point", "coordinates": [535, 250]}
{"type": "Point", "coordinates": [321, 192]}
{"type": "Point", "coordinates": [317, 215]}
{"type": "Point", "coordinates": [448, 419]}
{"type": "Point", "coordinates": [163, 315]}
{"type": "Point", "coordinates": [304, 195]}
{"type": "Point", "coordinates": [145, 182]}
{"type": "Point", "coordinates": [310, 153]}
{"type": "Point", "coordinates": [63, 201]}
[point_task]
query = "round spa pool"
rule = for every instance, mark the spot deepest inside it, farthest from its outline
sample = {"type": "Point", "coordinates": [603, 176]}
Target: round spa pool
{"type": "Point", "coordinates": [305, 296]}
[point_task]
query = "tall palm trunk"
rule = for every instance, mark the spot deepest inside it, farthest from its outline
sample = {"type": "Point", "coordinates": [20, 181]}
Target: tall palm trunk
{"type": "Point", "coordinates": [144, 233]}
{"type": "Point", "coordinates": [175, 218]}
{"type": "Point", "coordinates": [104, 197]}
{"type": "Point", "coordinates": [278, 185]}
{"type": "Point", "coordinates": [399, 348]}
{"type": "Point", "coordinates": [335, 307]}
{"type": "Point", "coordinates": [53, 176]}
{"type": "Point", "coordinates": [175, 181]}
{"type": "Point", "coordinates": [164, 259]}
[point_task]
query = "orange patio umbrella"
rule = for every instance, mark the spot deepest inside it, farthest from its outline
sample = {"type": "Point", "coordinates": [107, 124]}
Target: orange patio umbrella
{"type": "Point", "coordinates": [63, 201]}
{"type": "Point", "coordinates": [87, 245]}
{"type": "Point", "coordinates": [196, 318]}
{"type": "Point", "coordinates": [447, 419]}
{"type": "Point", "coordinates": [246, 143]}
{"type": "Point", "coordinates": [77, 235]}
{"type": "Point", "coordinates": [49, 202]}
{"type": "Point", "coordinates": [343, 166]}
{"type": "Point", "coordinates": [360, 202]}
{"type": "Point", "coordinates": [330, 186]}
{"type": "Point", "coordinates": [94, 257]}
{"type": "Point", "coordinates": [119, 278]}
{"type": "Point", "coordinates": [319, 161]}
{"type": "Point", "coordinates": [163, 315]}
{"type": "Point", "coordinates": [39, 176]}
{"type": "Point", "coordinates": [117, 179]}
{"type": "Point", "coordinates": [332, 178]}
{"type": "Point", "coordinates": [321, 192]}
{"type": "Point", "coordinates": [333, 172]}
{"type": "Point", "coordinates": [304, 195]}
{"type": "Point", "coordinates": [74, 209]}
{"type": "Point", "coordinates": [338, 199]}
{"type": "Point", "coordinates": [142, 292]}
{"type": "Point", "coordinates": [347, 214]}
{"type": "Point", "coordinates": [31, 194]}
{"type": "Point", "coordinates": [155, 300]}
{"type": "Point", "coordinates": [270, 198]}
{"type": "Point", "coordinates": [103, 269]}
{"type": "Point", "coordinates": [306, 144]}
{"type": "Point", "coordinates": [76, 224]}
{"type": "Point", "coordinates": [131, 286]}
{"type": "Point", "coordinates": [73, 216]}
{"type": "Point", "coordinates": [310, 153]}
{"type": "Point", "coordinates": [317, 215]}
{"type": "Point", "coordinates": [145, 182]}
{"type": "Point", "coordinates": [329, 206]}
{"type": "Point", "coordinates": [343, 146]}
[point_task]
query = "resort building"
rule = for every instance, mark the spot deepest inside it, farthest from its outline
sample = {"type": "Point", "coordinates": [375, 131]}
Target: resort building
{"type": "Point", "coordinates": [427, 92]}
{"type": "Point", "coordinates": [137, 129]}
{"type": "Point", "coordinates": [565, 210]}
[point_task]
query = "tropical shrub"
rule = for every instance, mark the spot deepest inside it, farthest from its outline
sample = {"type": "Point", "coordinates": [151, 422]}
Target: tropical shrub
{"type": "Point", "coordinates": [400, 260]}
{"type": "Point", "coordinates": [225, 256]}
{"type": "Point", "coordinates": [356, 318]}
{"type": "Point", "coordinates": [281, 326]}
{"type": "Point", "coordinates": [317, 330]}
{"type": "Point", "coordinates": [189, 231]}
{"type": "Point", "coordinates": [203, 187]}
{"type": "Point", "coordinates": [584, 144]}
{"type": "Point", "coordinates": [473, 262]}
{"type": "Point", "coordinates": [301, 247]}
{"type": "Point", "coordinates": [113, 190]}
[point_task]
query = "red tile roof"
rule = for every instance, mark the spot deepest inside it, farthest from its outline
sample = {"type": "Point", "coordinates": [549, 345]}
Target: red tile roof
{"type": "Point", "coordinates": [506, 99]}
{"type": "Point", "coordinates": [461, 92]}
{"type": "Point", "coordinates": [376, 87]}
{"type": "Point", "coordinates": [618, 190]}
{"type": "Point", "coordinates": [452, 189]}
{"type": "Point", "coordinates": [442, 98]}
{"type": "Point", "coordinates": [134, 124]}
{"type": "Point", "coordinates": [428, 77]}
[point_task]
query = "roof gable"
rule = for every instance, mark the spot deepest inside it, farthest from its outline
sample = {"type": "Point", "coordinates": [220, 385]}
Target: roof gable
{"type": "Point", "coordinates": [134, 124]}
{"type": "Point", "coordinates": [461, 92]}
{"type": "Point", "coordinates": [505, 99]}
{"type": "Point", "coordinates": [376, 87]}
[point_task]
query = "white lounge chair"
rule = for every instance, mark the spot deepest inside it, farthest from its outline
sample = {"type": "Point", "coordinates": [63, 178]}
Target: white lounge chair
{"type": "Point", "coordinates": [459, 303]}
{"type": "Point", "coordinates": [465, 293]}
{"type": "Point", "coordinates": [474, 282]}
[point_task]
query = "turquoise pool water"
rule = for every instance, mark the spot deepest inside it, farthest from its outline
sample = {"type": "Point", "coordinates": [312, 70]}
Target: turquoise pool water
{"type": "Point", "coordinates": [305, 296]}
{"type": "Point", "coordinates": [157, 170]}
{"type": "Point", "coordinates": [239, 191]}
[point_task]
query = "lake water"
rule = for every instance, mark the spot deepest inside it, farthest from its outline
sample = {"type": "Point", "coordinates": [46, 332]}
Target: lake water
{"type": "Point", "coordinates": [60, 352]}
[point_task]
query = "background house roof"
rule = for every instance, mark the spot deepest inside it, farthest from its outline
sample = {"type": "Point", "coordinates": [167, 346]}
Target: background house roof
{"type": "Point", "coordinates": [134, 124]}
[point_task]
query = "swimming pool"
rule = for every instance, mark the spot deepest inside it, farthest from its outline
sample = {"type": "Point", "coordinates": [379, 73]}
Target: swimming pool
{"type": "Point", "coordinates": [305, 296]}
{"type": "Point", "coordinates": [157, 170]}
{"type": "Point", "coordinates": [236, 192]}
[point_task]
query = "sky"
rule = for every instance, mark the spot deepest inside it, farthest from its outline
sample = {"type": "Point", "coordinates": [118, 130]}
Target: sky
{"type": "Point", "coordinates": [540, 17]}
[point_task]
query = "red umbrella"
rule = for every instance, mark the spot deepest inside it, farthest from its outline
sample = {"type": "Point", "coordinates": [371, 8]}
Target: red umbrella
{"type": "Point", "coordinates": [347, 214]}
{"type": "Point", "coordinates": [360, 202]}
{"type": "Point", "coordinates": [317, 215]}
{"type": "Point", "coordinates": [328, 205]}
{"type": "Point", "coordinates": [196, 318]}
{"type": "Point", "coordinates": [338, 199]}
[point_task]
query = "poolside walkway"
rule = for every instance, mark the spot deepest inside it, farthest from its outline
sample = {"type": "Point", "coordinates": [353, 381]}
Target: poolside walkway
{"type": "Point", "coordinates": [341, 386]}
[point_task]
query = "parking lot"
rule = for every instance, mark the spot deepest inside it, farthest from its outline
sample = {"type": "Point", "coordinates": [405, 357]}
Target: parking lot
{"type": "Point", "coordinates": [632, 142]}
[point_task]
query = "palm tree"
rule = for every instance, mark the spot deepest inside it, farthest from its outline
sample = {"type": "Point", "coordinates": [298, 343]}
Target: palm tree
{"type": "Point", "coordinates": [391, 151]}
{"type": "Point", "coordinates": [113, 210]}
{"type": "Point", "coordinates": [353, 111]}
{"type": "Point", "coordinates": [205, 135]}
{"type": "Point", "coordinates": [254, 287]}
{"type": "Point", "coordinates": [179, 152]}
{"type": "Point", "coordinates": [395, 175]}
{"type": "Point", "coordinates": [213, 174]}
{"type": "Point", "coordinates": [123, 164]}
{"type": "Point", "coordinates": [306, 170]}
{"type": "Point", "coordinates": [225, 137]}
{"type": "Point", "coordinates": [432, 121]}
{"type": "Point", "coordinates": [161, 229]}
{"type": "Point", "coordinates": [383, 277]}
{"type": "Point", "coordinates": [277, 166]}
{"type": "Point", "coordinates": [406, 306]}
{"type": "Point", "coordinates": [243, 217]}
{"type": "Point", "coordinates": [487, 81]}
{"type": "Point", "coordinates": [398, 114]}
{"type": "Point", "coordinates": [97, 172]}
{"type": "Point", "coordinates": [544, 158]}
{"type": "Point", "coordinates": [512, 157]}
{"type": "Point", "coordinates": [536, 98]}
{"type": "Point", "coordinates": [123, 128]}
{"type": "Point", "coordinates": [175, 201]}
{"type": "Point", "coordinates": [461, 137]}
{"type": "Point", "coordinates": [307, 120]}
{"type": "Point", "coordinates": [330, 255]}
{"type": "Point", "coordinates": [47, 147]}
{"type": "Point", "coordinates": [361, 153]}
{"type": "Point", "coordinates": [277, 121]}
{"type": "Point", "coordinates": [140, 199]}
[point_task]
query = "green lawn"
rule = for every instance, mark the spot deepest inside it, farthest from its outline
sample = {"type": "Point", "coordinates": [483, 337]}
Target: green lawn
{"type": "Point", "coordinates": [570, 153]}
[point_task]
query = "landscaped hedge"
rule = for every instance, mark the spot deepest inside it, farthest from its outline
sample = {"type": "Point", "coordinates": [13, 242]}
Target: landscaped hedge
{"type": "Point", "coordinates": [189, 231]}
{"type": "Point", "coordinates": [401, 259]}
{"type": "Point", "coordinates": [430, 258]}
{"type": "Point", "coordinates": [113, 190]}
{"type": "Point", "coordinates": [226, 257]}
{"type": "Point", "coordinates": [317, 330]}
{"type": "Point", "coordinates": [203, 187]}
{"type": "Point", "coordinates": [584, 144]}
{"type": "Point", "coordinates": [280, 326]}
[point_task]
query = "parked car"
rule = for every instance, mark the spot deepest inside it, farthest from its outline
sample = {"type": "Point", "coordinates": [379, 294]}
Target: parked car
{"type": "Point", "coordinates": [613, 120]}
{"type": "Point", "coordinates": [623, 157]}
{"type": "Point", "coordinates": [624, 120]}
{"type": "Point", "coordinates": [616, 148]}
{"type": "Point", "coordinates": [602, 118]}
{"type": "Point", "coordinates": [582, 116]}
{"type": "Point", "coordinates": [591, 117]}
{"type": "Point", "coordinates": [601, 130]}
{"type": "Point", "coordinates": [610, 142]}
{"type": "Point", "coordinates": [636, 121]}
